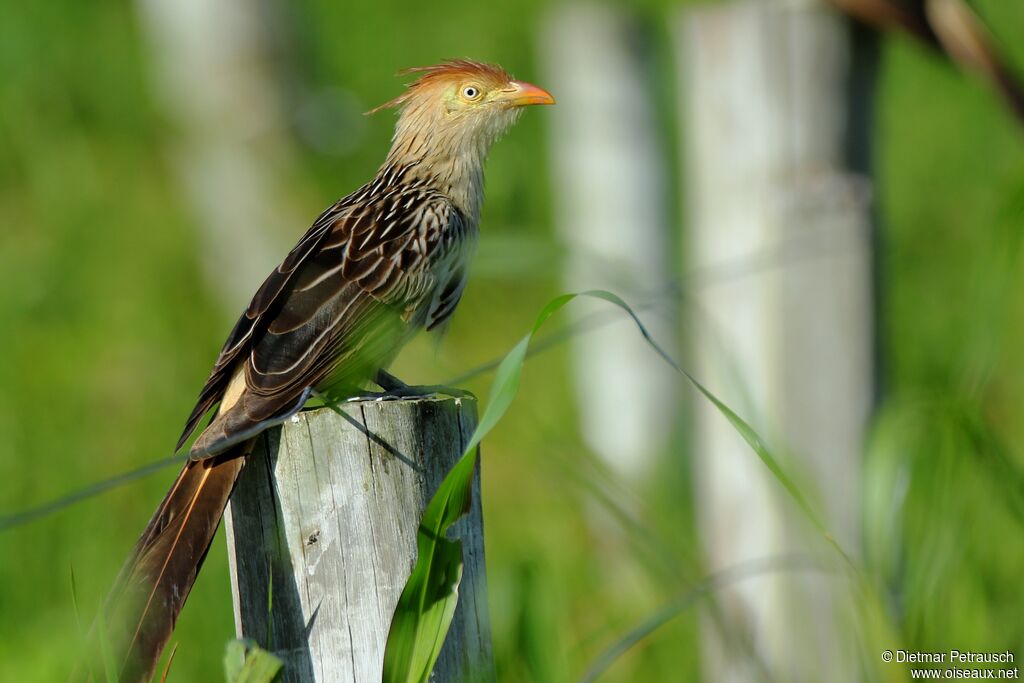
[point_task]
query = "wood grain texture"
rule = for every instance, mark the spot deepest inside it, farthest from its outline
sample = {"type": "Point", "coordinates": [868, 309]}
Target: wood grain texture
{"type": "Point", "coordinates": [322, 527]}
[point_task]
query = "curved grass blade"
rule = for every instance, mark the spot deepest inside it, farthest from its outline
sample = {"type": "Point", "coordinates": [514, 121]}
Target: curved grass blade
{"type": "Point", "coordinates": [16, 519]}
{"type": "Point", "coordinates": [170, 662]}
{"type": "Point", "coordinates": [710, 584]}
{"type": "Point", "coordinates": [427, 603]}
{"type": "Point", "coordinates": [748, 433]}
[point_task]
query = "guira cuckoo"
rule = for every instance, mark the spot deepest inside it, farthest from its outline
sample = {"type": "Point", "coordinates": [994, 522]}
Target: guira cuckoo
{"type": "Point", "coordinates": [384, 262]}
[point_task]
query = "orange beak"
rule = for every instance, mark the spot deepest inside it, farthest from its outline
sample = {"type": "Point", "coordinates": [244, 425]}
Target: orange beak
{"type": "Point", "coordinates": [523, 94]}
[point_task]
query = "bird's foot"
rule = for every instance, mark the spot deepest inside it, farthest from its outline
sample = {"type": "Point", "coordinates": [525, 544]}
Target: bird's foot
{"type": "Point", "coordinates": [372, 396]}
{"type": "Point", "coordinates": [396, 389]}
{"type": "Point", "coordinates": [412, 392]}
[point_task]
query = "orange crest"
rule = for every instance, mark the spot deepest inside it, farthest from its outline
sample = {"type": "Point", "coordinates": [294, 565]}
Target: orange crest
{"type": "Point", "coordinates": [443, 74]}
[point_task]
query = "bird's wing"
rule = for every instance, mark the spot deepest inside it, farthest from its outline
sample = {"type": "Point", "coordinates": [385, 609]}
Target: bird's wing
{"type": "Point", "coordinates": [452, 275]}
{"type": "Point", "coordinates": [239, 339]}
{"type": "Point", "coordinates": [336, 309]}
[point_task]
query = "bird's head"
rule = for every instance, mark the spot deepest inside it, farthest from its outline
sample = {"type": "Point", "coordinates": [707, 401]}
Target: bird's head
{"type": "Point", "coordinates": [454, 111]}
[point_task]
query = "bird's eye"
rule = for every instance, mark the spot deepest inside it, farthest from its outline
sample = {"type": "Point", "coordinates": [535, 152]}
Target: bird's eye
{"type": "Point", "coordinates": [470, 92]}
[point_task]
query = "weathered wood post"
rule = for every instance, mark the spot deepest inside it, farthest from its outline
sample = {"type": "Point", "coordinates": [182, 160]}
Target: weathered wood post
{"type": "Point", "coordinates": [777, 197]}
{"type": "Point", "coordinates": [322, 537]}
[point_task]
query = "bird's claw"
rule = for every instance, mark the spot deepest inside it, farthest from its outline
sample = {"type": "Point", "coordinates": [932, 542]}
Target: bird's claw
{"type": "Point", "coordinates": [411, 392]}
{"type": "Point", "coordinates": [397, 389]}
{"type": "Point", "coordinates": [376, 396]}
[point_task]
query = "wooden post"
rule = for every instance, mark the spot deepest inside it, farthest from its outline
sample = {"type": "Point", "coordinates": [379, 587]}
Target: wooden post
{"type": "Point", "coordinates": [322, 537]}
{"type": "Point", "coordinates": [787, 339]}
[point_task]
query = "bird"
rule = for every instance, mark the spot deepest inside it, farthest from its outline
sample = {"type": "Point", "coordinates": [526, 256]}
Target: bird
{"type": "Point", "coordinates": [376, 267]}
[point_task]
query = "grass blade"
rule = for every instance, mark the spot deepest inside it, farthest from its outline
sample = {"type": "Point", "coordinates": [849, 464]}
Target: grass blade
{"type": "Point", "coordinates": [246, 662]}
{"type": "Point", "coordinates": [428, 601]}
{"type": "Point", "coordinates": [170, 661]}
{"type": "Point", "coordinates": [714, 582]}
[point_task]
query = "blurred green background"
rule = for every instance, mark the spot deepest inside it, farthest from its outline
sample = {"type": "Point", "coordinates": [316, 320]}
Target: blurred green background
{"type": "Point", "coordinates": [110, 327]}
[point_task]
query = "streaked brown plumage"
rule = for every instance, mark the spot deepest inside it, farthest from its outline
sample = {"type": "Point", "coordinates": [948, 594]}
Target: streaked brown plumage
{"type": "Point", "coordinates": [379, 265]}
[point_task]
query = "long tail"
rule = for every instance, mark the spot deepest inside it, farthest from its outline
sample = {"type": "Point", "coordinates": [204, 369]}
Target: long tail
{"type": "Point", "coordinates": [151, 589]}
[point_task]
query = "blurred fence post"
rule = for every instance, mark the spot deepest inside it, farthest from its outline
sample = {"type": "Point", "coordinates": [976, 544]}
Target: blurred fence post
{"type": "Point", "coordinates": [213, 78]}
{"type": "Point", "coordinates": [609, 175]}
{"type": "Point", "coordinates": [785, 330]}
{"type": "Point", "coordinates": [322, 537]}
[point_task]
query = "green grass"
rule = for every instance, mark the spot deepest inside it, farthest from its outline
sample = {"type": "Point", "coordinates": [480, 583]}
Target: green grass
{"type": "Point", "coordinates": [109, 330]}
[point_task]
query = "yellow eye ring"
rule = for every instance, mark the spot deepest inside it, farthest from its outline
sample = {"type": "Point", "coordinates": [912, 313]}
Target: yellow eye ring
{"type": "Point", "coordinates": [470, 92]}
